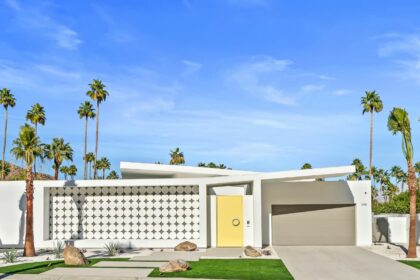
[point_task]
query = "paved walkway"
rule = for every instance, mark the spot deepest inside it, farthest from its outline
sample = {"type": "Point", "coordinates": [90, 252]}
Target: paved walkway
{"type": "Point", "coordinates": [342, 263]}
{"type": "Point", "coordinates": [167, 256]}
{"type": "Point", "coordinates": [129, 264]}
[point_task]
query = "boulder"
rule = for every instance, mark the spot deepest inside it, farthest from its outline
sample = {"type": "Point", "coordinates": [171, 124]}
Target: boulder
{"type": "Point", "coordinates": [175, 266]}
{"type": "Point", "coordinates": [74, 256]}
{"type": "Point", "coordinates": [186, 246]}
{"type": "Point", "coordinates": [251, 252]}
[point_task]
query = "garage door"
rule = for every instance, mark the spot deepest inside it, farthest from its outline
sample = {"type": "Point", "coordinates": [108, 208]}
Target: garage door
{"type": "Point", "coordinates": [313, 224]}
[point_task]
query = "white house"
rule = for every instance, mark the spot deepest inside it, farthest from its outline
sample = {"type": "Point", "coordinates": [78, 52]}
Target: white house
{"type": "Point", "coordinates": [156, 205]}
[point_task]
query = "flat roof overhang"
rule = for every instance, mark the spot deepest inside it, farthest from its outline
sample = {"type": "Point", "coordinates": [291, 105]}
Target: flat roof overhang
{"type": "Point", "coordinates": [149, 170]}
{"type": "Point", "coordinates": [283, 176]}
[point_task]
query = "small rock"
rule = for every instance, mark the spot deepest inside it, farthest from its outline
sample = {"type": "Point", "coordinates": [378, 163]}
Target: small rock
{"type": "Point", "coordinates": [74, 256]}
{"type": "Point", "coordinates": [251, 252]}
{"type": "Point", "coordinates": [174, 266]}
{"type": "Point", "coordinates": [186, 246]}
{"type": "Point", "coordinates": [266, 252]}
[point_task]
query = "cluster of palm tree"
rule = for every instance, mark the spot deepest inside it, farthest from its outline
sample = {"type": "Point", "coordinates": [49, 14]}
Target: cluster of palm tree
{"type": "Point", "coordinates": [398, 123]}
{"type": "Point", "coordinates": [28, 147]}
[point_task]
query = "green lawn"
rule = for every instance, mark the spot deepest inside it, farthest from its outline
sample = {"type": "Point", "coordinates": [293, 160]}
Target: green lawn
{"type": "Point", "coordinates": [233, 269]}
{"type": "Point", "coordinates": [415, 264]}
{"type": "Point", "coordinates": [39, 267]}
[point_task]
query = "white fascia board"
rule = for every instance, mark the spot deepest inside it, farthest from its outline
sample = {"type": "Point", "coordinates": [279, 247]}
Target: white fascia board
{"type": "Point", "coordinates": [150, 168]}
{"type": "Point", "coordinates": [234, 179]}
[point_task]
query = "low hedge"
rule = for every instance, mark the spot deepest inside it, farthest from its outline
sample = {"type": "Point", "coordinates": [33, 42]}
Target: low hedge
{"type": "Point", "coordinates": [399, 204]}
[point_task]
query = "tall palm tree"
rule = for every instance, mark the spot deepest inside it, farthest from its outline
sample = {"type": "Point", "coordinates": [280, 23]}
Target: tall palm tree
{"type": "Point", "coordinates": [58, 151]}
{"type": "Point", "coordinates": [177, 157]}
{"type": "Point", "coordinates": [72, 171]}
{"type": "Point", "coordinates": [6, 99]}
{"type": "Point", "coordinates": [27, 147]}
{"type": "Point", "coordinates": [399, 122]}
{"type": "Point", "coordinates": [103, 164]}
{"type": "Point", "coordinates": [36, 115]}
{"type": "Point", "coordinates": [306, 166]}
{"type": "Point", "coordinates": [371, 103]}
{"type": "Point", "coordinates": [86, 111]}
{"type": "Point", "coordinates": [65, 171]}
{"type": "Point", "coordinates": [98, 94]}
{"type": "Point", "coordinates": [90, 157]}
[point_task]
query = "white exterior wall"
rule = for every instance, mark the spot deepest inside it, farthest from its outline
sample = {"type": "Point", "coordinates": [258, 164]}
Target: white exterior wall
{"type": "Point", "coordinates": [398, 227]}
{"type": "Point", "coordinates": [361, 191]}
{"type": "Point", "coordinates": [337, 192]}
{"type": "Point", "coordinates": [11, 203]}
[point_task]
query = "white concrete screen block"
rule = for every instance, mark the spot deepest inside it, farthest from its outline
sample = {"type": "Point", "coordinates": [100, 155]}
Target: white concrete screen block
{"type": "Point", "coordinates": [145, 212]}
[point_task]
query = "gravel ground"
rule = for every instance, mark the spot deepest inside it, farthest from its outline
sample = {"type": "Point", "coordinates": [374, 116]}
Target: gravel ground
{"type": "Point", "coordinates": [392, 251]}
{"type": "Point", "coordinates": [46, 255]}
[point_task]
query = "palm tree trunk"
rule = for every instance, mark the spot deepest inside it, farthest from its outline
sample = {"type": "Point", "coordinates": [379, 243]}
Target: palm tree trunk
{"type": "Point", "coordinates": [56, 171]}
{"type": "Point", "coordinates": [96, 141]}
{"type": "Point", "coordinates": [29, 249]}
{"type": "Point", "coordinates": [413, 216]}
{"type": "Point", "coordinates": [90, 170]}
{"type": "Point", "coordinates": [85, 162]}
{"type": "Point", "coordinates": [371, 144]}
{"type": "Point", "coordinates": [36, 134]}
{"type": "Point", "coordinates": [103, 174]}
{"type": "Point", "coordinates": [3, 174]}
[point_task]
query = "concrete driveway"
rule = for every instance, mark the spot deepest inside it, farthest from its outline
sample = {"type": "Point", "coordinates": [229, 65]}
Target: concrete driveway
{"type": "Point", "coordinates": [342, 263]}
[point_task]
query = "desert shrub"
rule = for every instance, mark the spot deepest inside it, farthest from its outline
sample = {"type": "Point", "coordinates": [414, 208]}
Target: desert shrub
{"type": "Point", "coordinates": [112, 249]}
{"type": "Point", "coordinates": [58, 249]}
{"type": "Point", "coordinates": [10, 255]}
{"type": "Point", "coordinates": [398, 204]}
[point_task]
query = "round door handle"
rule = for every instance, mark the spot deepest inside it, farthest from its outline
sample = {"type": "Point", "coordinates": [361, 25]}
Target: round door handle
{"type": "Point", "coordinates": [236, 222]}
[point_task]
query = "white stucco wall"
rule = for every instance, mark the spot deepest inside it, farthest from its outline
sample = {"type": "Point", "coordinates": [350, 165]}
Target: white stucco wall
{"type": "Point", "coordinates": [397, 226]}
{"type": "Point", "coordinates": [336, 192]}
{"type": "Point", "coordinates": [11, 217]}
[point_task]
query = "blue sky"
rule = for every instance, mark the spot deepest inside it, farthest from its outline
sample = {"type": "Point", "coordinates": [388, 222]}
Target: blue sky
{"type": "Point", "coordinates": [254, 84]}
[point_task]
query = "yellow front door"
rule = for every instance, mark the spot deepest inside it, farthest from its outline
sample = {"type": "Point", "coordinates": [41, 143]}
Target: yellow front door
{"type": "Point", "coordinates": [229, 221]}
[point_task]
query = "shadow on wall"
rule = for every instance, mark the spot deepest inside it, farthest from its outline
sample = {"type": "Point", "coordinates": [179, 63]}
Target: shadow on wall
{"type": "Point", "coordinates": [380, 231]}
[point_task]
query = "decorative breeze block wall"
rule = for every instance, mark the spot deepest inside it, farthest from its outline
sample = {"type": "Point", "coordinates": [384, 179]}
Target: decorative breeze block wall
{"type": "Point", "coordinates": [137, 212]}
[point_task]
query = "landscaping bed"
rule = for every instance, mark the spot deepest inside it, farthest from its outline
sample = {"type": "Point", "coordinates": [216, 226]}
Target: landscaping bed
{"type": "Point", "coordinates": [40, 267]}
{"type": "Point", "coordinates": [245, 269]}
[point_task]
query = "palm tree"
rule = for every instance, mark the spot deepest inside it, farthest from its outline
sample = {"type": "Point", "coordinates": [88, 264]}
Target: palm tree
{"type": "Point", "coordinates": [27, 147]}
{"type": "Point", "coordinates": [72, 171]}
{"type": "Point", "coordinates": [6, 99]}
{"type": "Point", "coordinates": [86, 111]}
{"type": "Point", "coordinates": [113, 175]}
{"type": "Point", "coordinates": [306, 166]}
{"type": "Point", "coordinates": [399, 122]}
{"type": "Point", "coordinates": [36, 115]}
{"type": "Point", "coordinates": [97, 93]}
{"type": "Point", "coordinates": [177, 157]}
{"type": "Point", "coordinates": [396, 173]}
{"type": "Point", "coordinates": [65, 171]}
{"type": "Point", "coordinates": [417, 168]}
{"type": "Point", "coordinates": [89, 158]}
{"type": "Point", "coordinates": [103, 164]}
{"type": "Point", "coordinates": [360, 172]}
{"type": "Point", "coordinates": [58, 151]}
{"type": "Point", "coordinates": [371, 103]}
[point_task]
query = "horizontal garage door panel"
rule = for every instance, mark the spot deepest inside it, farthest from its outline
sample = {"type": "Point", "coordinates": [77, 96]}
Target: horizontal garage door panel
{"type": "Point", "coordinates": [313, 224]}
